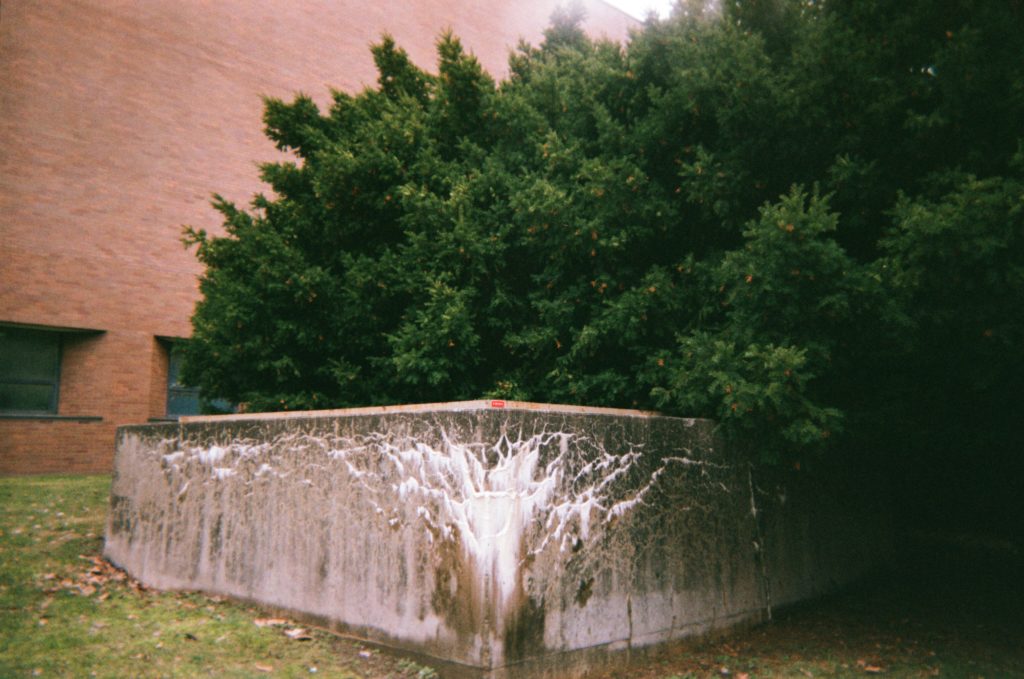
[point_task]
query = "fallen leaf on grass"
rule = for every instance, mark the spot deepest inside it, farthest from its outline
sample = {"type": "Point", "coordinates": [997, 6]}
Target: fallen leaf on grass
{"type": "Point", "coordinates": [269, 622]}
{"type": "Point", "coordinates": [298, 634]}
{"type": "Point", "coordinates": [263, 668]}
{"type": "Point", "coordinates": [868, 666]}
{"type": "Point", "coordinates": [96, 578]}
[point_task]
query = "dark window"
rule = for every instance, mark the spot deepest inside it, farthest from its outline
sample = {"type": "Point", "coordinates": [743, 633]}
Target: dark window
{"type": "Point", "coordinates": [29, 370]}
{"type": "Point", "coordinates": [181, 400]}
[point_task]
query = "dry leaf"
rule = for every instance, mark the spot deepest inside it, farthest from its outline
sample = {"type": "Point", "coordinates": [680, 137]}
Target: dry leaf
{"type": "Point", "coordinates": [872, 669]}
{"type": "Point", "coordinates": [270, 622]}
{"type": "Point", "coordinates": [263, 668]}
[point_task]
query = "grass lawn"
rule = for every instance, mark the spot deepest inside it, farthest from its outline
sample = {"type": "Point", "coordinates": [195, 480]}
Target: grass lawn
{"type": "Point", "coordinates": [65, 612]}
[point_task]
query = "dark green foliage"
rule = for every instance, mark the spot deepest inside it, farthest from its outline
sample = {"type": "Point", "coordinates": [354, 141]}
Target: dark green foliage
{"type": "Point", "coordinates": [786, 217]}
{"type": "Point", "coordinates": [791, 307]}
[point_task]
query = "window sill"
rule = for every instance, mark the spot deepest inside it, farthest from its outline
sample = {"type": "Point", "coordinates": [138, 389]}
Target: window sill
{"type": "Point", "coordinates": [47, 416]}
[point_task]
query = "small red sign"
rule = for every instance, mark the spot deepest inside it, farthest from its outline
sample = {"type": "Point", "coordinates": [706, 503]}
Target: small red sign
{"type": "Point", "coordinates": [497, 404]}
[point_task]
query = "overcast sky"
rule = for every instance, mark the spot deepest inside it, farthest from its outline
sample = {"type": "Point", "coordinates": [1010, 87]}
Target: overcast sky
{"type": "Point", "coordinates": [640, 8]}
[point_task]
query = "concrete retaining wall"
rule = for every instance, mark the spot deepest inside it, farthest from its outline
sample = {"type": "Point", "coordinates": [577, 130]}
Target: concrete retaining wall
{"type": "Point", "coordinates": [507, 539]}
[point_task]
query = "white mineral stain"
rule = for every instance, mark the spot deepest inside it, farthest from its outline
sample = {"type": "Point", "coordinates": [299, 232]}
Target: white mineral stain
{"type": "Point", "coordinates": [211, 455]}
{"type": "Point", "coordinates": [173, 458]}
{"type": "Point", "coordinates": [498, 501]}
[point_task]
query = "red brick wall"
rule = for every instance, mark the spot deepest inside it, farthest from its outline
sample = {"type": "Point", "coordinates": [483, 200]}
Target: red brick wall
{"type": "Point", "coordinates": [112, 376]}
{"type": "Point", "coordinates": [56, 446]}
{"type": "Point", "coordinates": [119, 118]}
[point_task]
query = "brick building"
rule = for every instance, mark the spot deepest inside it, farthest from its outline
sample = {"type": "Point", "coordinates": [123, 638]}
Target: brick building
{"type": "Point", "coordinates": [118, 120]}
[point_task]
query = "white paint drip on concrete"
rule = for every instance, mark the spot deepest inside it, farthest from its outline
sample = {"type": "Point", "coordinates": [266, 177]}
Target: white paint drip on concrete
{"type": "Point", "coordinates": [486, 496]}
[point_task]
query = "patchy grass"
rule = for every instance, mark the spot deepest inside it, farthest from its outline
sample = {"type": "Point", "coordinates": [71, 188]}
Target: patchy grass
{"type": "Point", "coordinates": [65, 612]}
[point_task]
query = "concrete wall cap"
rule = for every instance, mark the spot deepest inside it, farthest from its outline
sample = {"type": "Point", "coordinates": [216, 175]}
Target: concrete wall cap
{"type": "Point", "coordinates": [451, 406]}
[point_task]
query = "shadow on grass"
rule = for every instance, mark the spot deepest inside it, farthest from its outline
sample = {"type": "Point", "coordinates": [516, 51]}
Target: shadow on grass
{"type": "Point", "coordinates": [946, 608]}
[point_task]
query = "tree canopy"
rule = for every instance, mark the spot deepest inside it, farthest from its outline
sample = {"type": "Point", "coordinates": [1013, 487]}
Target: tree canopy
{"type": "Point", "coordinates": [799, 218]}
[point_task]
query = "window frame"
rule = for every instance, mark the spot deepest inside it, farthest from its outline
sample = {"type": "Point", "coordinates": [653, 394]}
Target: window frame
{"type": "Point", "coordinates": [205, 406]}
{"type": "Point", "coordinates": [174, 387]}
{"type": "Point", "coordinates": [53, 380]}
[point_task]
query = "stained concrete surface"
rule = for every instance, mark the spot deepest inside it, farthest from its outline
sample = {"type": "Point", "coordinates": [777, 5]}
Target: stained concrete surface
{"type": "Point", "coordinates": [507, 539]}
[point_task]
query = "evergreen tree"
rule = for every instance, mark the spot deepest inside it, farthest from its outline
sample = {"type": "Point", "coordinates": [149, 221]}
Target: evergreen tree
{"type": "Point", "coordinates": [786, 217]}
